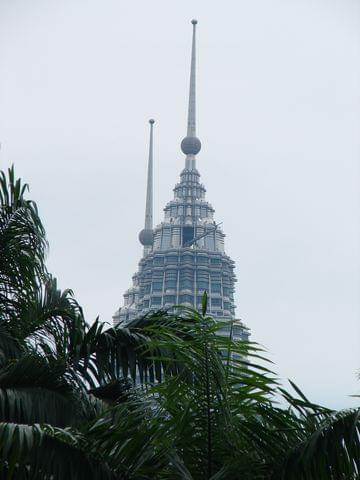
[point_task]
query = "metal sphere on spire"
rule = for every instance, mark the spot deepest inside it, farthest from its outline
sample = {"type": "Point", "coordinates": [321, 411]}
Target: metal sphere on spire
{"type": "Point", "coordinates": [191, 145]}
{"type": "Point", "coordinates": [146, 237]}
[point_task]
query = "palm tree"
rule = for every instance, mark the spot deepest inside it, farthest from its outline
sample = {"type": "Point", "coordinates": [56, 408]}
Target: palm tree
{"type": "Point", "coordinates": [164, 397]}
{"type": "Point", "coordinates": [220, 415]}
{"type": "Point", "coordinates": [42, 331]}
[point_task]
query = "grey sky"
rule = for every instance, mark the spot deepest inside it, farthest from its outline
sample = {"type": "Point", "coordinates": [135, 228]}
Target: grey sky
{"type": "Point", "coordinates": [278, 117]}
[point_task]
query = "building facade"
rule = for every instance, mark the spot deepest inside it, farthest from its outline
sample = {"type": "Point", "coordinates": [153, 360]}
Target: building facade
{"type": "Point", "coordinates": [184, 255]}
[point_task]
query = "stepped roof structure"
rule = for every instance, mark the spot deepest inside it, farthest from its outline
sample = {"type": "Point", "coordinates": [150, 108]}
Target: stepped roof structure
{"type": "Point", "coordinates": [184, 255]}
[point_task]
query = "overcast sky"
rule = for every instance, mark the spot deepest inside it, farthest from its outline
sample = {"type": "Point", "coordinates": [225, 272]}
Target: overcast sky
{"type": "Point", "coordinates": [279, 120]}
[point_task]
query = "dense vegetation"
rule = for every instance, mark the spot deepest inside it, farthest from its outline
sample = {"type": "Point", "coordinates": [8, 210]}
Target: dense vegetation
{"type": "Point", "coordinates": [204, 405]}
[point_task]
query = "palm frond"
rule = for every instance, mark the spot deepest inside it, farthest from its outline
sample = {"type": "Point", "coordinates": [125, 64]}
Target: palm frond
{"type": "Point", "coordinates": [34, 389]}
{"type": "Point", "coordinates": [22, 241]}
{"type": "Point", "coordinates": [42, 452]}
{"type": "Point", "coordinates": [130, 437]}
{"type": "Point", "coordinates": [331, 451]}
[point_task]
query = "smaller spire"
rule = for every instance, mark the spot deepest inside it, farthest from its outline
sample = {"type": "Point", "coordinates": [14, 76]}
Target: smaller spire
{"type": "Point", "coordinates": [146, 235]}
{"type": "Point", "coordinates": [191, 145]}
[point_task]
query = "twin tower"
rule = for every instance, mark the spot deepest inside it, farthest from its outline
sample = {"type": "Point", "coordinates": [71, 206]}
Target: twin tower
{"type": "Point", "coordinates": [184, 255]}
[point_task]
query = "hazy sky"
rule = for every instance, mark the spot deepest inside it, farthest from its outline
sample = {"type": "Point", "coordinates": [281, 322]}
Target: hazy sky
{"type": "Point", "coordinates": [279, 120]}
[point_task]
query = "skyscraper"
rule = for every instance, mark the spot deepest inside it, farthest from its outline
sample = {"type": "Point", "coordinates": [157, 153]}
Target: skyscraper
{"type": "Point", "coordinates": [184, 255]}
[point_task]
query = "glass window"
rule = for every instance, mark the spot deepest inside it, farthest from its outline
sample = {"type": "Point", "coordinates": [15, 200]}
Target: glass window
{"type": "Point", "coordinates": [165, 237]}
{"type": "Point", "coordinates": [186, 298]}
{"type": "Point", "coordinates": [186, 283]}
{"type": "Point", "coordinates": [170, 299]}
{"type": "Point", "coordinates": [146, 303]}
{"type": "Point", "coordinates": [209, 242]}
{"type": "Point", "coordinates": [156, 301]}
{"type": "Point", "coordinates": [171, 273]}
{"type": "Point", "coordinates": [158, 260]}
{"type": "Point", "coordinates": [187, 259]}
{"type": "Point", "coordinates": [157, 286]}
{"type": "Point", "coordinates": [170, 284]}
{"type": "Point", "coordinates": [215, 261]}
{"type": "Point", "coordinates": [203, 285]}
{"type": "Point", "coordinates": [172, 259]}
{"type": "Point", "coordinates": [216, 302]}
{"type": "Point", "coordinates": [216, 277]}
{"type": "Point", "coordinates": [188, 234]}
{"type": "Point", "coordinates": [202, 260]}
{"type": "Point", "coordinates": [216, 288]}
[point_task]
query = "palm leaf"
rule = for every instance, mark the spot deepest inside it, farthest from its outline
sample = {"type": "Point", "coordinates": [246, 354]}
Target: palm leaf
{"type": "Point", "coordinates": [42, 452]}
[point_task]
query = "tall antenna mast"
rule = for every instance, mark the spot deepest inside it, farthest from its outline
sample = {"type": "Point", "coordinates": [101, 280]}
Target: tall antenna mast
{"type": "Point", "coordinates": [146, 235]}
{"type": "Point", "coordinates": [191, 145]}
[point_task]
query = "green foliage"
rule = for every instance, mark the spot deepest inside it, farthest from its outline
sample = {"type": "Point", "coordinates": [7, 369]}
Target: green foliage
{"type": "Point", "coordinates": [164, 397]}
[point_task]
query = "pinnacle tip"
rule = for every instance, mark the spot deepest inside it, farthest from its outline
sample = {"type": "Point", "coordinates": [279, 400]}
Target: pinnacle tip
{"type": "Point", "coordinates": [151, 121]}
{"type": "Point", "coordinates": [194, 21]}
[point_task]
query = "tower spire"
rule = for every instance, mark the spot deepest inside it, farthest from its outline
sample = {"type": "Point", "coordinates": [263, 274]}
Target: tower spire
{"type": "Point", "coordinates": [191, 124]}
{"type": "Point", "coordinates": [146, 235]}
{"type": "Point", "coordinates": [191, 145]}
